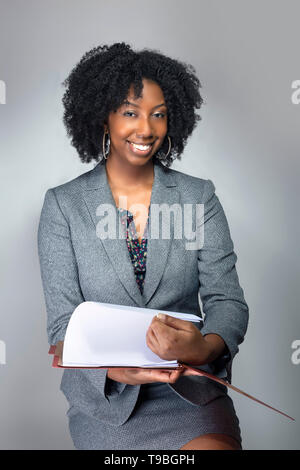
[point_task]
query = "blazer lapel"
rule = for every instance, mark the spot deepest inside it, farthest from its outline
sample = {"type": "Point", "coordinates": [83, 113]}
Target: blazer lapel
{"type": "Point", "coordinates": [97, 191]}
{"type": "Point", "coordinates": [163, 192]}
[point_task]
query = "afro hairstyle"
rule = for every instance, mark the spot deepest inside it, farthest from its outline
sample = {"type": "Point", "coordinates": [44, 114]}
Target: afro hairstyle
{"type": "Point", "coordinates": [100, 83]}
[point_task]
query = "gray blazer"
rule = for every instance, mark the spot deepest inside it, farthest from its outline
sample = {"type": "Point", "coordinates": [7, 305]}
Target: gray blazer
{"type": "Point", "coordinates": [77, 265]}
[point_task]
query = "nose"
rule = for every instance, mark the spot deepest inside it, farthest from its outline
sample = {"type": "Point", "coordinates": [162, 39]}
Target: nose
{"type": "Point", "coordinates": [144, 129]}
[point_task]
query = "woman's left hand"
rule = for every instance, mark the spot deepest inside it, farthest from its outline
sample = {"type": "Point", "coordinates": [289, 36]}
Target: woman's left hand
{"type": "Point", "coordinates": [175, 339]}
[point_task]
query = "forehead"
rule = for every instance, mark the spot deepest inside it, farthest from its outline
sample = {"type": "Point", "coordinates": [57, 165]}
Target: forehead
{"type": "Point", "coordinates": [151, 92]}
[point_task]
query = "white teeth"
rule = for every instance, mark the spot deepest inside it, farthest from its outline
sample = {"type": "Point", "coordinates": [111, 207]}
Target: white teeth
{"type": "Point", "coordinates": [141, 147]}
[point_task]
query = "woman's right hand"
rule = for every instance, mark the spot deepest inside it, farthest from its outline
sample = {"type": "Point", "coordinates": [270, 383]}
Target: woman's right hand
{"type": "Point", "coordinates": [137, 376]}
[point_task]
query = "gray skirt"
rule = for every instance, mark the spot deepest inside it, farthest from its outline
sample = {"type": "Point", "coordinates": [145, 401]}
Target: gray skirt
{"type": "Point", "coordinates": [161, 420]}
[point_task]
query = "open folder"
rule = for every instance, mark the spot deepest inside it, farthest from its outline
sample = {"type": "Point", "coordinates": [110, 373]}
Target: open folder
{"type": "Point", "coordinates": [101, 335]}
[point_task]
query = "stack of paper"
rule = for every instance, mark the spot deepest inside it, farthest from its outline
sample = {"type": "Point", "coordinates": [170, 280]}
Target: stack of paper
{"type": "Point", "coordinates": [101, 335]}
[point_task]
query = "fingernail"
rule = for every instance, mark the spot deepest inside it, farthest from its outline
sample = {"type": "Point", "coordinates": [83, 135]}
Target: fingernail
{"type": "Point", "coordinates": [161, 316]}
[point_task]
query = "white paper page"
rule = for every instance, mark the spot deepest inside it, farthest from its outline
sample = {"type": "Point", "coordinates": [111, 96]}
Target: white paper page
{"type": "Point", "coordinates": [150, 311]}
{"type": "Point", "coordinates": [104, 334]}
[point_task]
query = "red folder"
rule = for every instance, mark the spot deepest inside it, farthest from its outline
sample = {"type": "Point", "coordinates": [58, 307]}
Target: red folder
{"type": "Point", "coordinates": [56, 350]}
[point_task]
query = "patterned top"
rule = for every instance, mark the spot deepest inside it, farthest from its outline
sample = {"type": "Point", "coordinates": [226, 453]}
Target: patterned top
{"type": "Point", "coordinates": [137, 251]}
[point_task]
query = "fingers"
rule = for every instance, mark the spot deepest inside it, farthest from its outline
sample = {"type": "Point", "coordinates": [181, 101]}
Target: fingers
{"type": "Point", "coordinates": [160, 375]}
{"type": "Point", "coordinates": [172, 322]}
{"type": "Point", "coordinates": [169, 376]}
{"type": "Point", "coordinates": [175, 376]}
{"type": "Point", "coordinates": [162, 336]}
{"type": "Point", "coordinates": [152, 337]}
{"type": "Point", "coordinates": [136, 375]}
{"type": "Point", "coordinates": [150, 341]}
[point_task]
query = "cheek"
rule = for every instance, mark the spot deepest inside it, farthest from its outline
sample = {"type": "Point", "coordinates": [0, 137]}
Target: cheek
{"type": "Point", "coordinates": [162, 127]}
{"type": "Point", "coordinates": [120, 128]}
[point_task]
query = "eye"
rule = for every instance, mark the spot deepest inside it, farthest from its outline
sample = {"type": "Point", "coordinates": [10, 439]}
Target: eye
{"type": "Point", "coordinates": [128, 112]}
{"type": "Point", "coordinates": [160, 115]}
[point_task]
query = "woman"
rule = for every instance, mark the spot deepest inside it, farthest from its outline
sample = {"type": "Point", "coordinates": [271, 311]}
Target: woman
{"type": "Point", "coordinates": [134, 111]}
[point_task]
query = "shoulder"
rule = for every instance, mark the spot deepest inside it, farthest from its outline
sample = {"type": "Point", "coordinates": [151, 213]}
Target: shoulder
{"type": "Point", "coordinates": [72, 186]}
{"type": "Point", "coordinates": [191, 185]}
{"type": "Point", "coordinates": [63, 198]}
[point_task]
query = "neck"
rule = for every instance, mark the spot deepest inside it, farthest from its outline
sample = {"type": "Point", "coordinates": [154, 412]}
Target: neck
{"type": "Point", "coordinates": [120, 174]}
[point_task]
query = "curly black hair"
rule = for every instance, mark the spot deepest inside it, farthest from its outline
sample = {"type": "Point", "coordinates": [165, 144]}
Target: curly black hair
{"type": "Point", "coordinates": [100, 83]}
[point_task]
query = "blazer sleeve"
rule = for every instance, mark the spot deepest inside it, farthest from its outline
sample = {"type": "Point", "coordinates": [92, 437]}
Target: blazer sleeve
{"type": "Point", "coordinates": [225, 310]}
{"type": "Point", "coordinates": [61, 285]}
{"type": "Point", "coordinates": [58, 268]}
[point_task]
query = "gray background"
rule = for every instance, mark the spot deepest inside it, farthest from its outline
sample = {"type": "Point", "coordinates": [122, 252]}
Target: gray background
{"type": "Point", "coordinates": [246, 55]}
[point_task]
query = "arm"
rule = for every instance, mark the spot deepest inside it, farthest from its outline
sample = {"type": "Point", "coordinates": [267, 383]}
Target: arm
{"type": "Point", "coordinates": [217, 346]}
{"type": "Point", "coordinates": [226, 312]}
{"type": "Point", "coordinates": [63, 294]}
{"type": "Point", "coordinates": [58, 268]}
{"type": "Point", "coordinates": [60, 278]}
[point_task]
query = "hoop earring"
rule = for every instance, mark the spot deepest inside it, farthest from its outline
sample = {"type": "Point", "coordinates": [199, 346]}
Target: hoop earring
{"type": "Point", "coordinates": [105, 152]}
{"type": "Point", "coordinates": [160, 155]}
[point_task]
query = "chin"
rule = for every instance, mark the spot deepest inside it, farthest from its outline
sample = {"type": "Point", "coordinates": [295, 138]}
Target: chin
{"type": "Point", "coordinates": [140, 161]}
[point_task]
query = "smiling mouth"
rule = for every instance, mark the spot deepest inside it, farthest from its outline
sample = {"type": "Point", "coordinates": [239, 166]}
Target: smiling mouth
{"type": "Point", "coordinates": [140, 149]}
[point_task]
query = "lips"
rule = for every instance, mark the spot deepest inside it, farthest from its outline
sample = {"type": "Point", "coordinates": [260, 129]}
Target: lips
{"type": "Point", "coordinates": [140, 149]}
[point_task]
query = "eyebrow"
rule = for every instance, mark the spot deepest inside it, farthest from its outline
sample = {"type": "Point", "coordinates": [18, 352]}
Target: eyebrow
{"type": "Point", "coordinates": [126, 102]}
